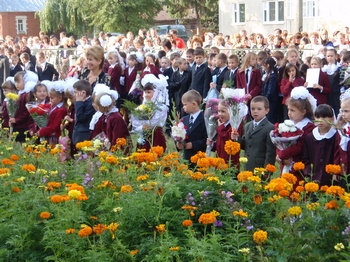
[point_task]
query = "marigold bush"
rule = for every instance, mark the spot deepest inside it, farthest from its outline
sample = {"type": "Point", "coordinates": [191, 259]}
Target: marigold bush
{"type": "Point", "coordinates": [260, 236]}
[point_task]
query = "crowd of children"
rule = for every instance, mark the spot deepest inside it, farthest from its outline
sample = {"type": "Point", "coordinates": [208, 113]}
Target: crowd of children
{"type": "Point", "coordinates": [277, 85]}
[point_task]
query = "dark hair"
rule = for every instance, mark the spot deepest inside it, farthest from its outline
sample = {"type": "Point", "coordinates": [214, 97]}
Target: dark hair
{"type": "Point", "coordinates": [261, 99]}
{"type": "Point", "coordinates": [8, 85]}
{"type": "Point", "coordinates": [166, 43]}
{"type": "Point", "coordinates": [324, 110]}
{"type": "Point", "coordinates": [83, 85]}
{"type": "Point", "coordinates": [190, 51]}
{"type": "Point", "coordinates": [161, 53]}
{"type": "Point", "coordinates": [31, 95]}
{"type": "Point", "coordinates": [302, 104]}
{"type": "Point", "coordinates": [222, 57]}
{"type": "Point", "coordinates": [199, 51]}
{"type": "Point", "coordinates": [234, 57]}
{"type": "Point", "coordinates": [346, 56]}
{"type": "Point", "coordinates": [287, 68]}
{"type": "Point", "coordinates": [148, 86]}
{"type": "Point", "coordinates": [174, 56]}
{"type": "Point", "coordinates": [262, 55]}
{"type": "Point", "coordinates": [19, 75]}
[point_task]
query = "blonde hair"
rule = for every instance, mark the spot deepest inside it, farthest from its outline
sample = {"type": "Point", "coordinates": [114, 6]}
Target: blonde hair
{"type": "Point", "coordinates": [192, 96]}
{"type": "Point", "coordinates": [246, 61]}
{"type": "Point", "coordinates": [97, 53]}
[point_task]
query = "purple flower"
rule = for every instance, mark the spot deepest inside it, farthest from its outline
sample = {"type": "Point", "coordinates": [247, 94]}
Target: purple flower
{"type": "Point", "coordinates": [44, 180]}
{"type": "Point", "coordinates": [217, 223]}
{"type": "Point", "coordinates": [193, 203]}
{"type": "Point", "coordinates": [206, 193]}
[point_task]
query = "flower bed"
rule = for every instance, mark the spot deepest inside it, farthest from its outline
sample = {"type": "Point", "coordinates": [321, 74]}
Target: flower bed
{"type": "Point", "coordinates": [150, 207]}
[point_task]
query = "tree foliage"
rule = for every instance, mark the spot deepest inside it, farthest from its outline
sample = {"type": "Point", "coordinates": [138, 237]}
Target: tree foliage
{"type": "Point", "coordinates": [78, 16]}
{"type": "Point", "coordinates": [205, 10]}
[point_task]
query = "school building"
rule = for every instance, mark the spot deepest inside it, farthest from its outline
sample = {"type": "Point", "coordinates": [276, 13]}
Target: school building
{"type": "Point", "coordinates": [263, 16]}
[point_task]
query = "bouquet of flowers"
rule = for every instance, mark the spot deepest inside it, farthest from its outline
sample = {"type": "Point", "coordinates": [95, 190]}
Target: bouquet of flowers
{"type": "Point", "coordinates": [136, 90]}
{"type": "Point", "coordinates": [39, 113]}
{"type": "Point", "coordinates": [344, 75]}
{"type": "Point", "coordinates": [145, 111]}
{"type": "Point", "coordinates": [211, 120]}
{"type": "Point", "coordinates": [101, 142]}
{"type": "Point", "coordinates": [285, 135]}
{"type": "Point", "coordinates": [178, 130]}
{"type": "Point", "coordinates": [238, 110]}
{"type": "Point", "coordinates": [64, 144]}
{"type": "Point", "coordinates": [12, 106]}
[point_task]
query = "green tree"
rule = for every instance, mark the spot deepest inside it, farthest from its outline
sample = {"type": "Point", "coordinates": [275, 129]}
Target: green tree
{"type": "Point", "coordinates": [206, 11]}
{"type": "Point", "coordinates": [78, 16]}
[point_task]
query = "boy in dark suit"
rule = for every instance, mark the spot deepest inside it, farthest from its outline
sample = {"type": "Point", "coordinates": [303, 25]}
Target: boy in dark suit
{"type": "Point", "coordinates": [219, 71]}
{"type": "Point", "coordinates": [233, 63]}
{"type": "Point", "coordinates": [28, 65]}
{"type": "Point", "coordinates": [83, 111]}
{"type": "Point", "coordinates": [196, 134]}
{"type": "Point", "coordinates": [256, 141]}
{"type": "Point", "coordinates": [15, 66]}
{"type": "Point", "coordinates": [201, 75]}
{"type": "Point", "coordinates": [46, 71]}
{"type": "Point", "coordinates": [179, 83]}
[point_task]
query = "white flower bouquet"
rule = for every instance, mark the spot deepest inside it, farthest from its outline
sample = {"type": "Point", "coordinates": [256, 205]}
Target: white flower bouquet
{"type": "Point", "coordinates": [211, 120]}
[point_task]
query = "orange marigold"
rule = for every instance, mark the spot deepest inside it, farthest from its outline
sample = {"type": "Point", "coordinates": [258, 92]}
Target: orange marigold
{"type": "Point", "coordinates": [121, 141]}
{"type": "Point", "coordinates": [232, 147]}
{"type": "Point", "coordinates": [295, 196]}
{"type": "Point", "coordinates": [16, 189]}
{"type": "Point", "coordinates": [14, 157]}
{"type": "Point", "coordinates": [335, 190]}
{"type": "Point", "coordinates": [347, 203]}
{"type": "Point", "coordinates": [257, 199]}
{"type": "Point", "coordinates": [126, 189]}
{"type": "Point", "coordinates": [284, 193]}
{"type": "Point", "coordinates": [324, 188]}
{"type": "Point", "coordinates": [311, 187]}
{"type": "Point", "coordinates": [70, 231]}
{"type": "Point", "coordinates": [332, 205]}
{"type": "Point", "coordinates": [299, 189]}
{"type": "Point", "coordinates": [260, 236]}
{"type": "Point", "coordinates": [7, 162]}
{"type": "Point", "coordinates": [29, 168]}
{"type": "Point", "coordinates": [333, 169]}
{"type": "Point", "coordinates": [187, 223]}
{"type": "Point", "coordinates": [158, 150]}
{"type": "Point", "coordinates": [298, 166]}
{"type": "Point", "coordinates": [207, 218]}
{"type": "Point", "coordinates": [52, 185]}
{"type": "Point", "coordinates": [111, 160]}
{"type": "Point", "coordinates": [134, 252]}
{"type": "Point", "coordinates": [99, 228]}
{"type": "Point", "coordinates": [45, 215]}
{"type": "Point", "coordinates": [244, 176]}
{"type": "Point", "coordinates": [203, 162]}
{"type": "Point", "coordinates": [290, 178]}
{"type": "Point", "coordinates": [161, 228]}
{"type": "Point", "coordinates": [271, 168]}
{"type": "Point", "coordinates": [84, 232]}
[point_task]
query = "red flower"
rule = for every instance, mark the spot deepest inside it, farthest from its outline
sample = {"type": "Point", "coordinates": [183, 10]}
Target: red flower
{"type": "Point", "coordinates": [346, 132]}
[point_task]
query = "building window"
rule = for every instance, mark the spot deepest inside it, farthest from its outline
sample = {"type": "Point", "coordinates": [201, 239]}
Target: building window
{"type": "Point", "coordinates": [309, 9]}
{"type": "Point", "coordinates": [21, 24]}
{"type": "Point", "coordinates": [238, 13]}
{"type": "Point", "coordinates": [273, 11]}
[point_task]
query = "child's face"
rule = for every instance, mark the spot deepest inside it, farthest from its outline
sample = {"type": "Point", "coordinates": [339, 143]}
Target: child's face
{"type": "Point", "coordinates": [14, 61]}
{"type": "Point", "coordinates": [149, 60]}
{"type": "Point", "coordinates": [6, 91]}
{"type": "Point", "coordinates": [330, 57]}
{"type": "Point", "coordinates": [199, 59]}
{"type": "Point", "coordinates": [148, 94]}
{"type": "Point", "coordinates": [164, 63]}
{"type": "Point", "coordinates": [190, 107]}
{"type": "Point", "coordinates": [253, 62]}
{"type": "Point", "coordinates": [183, 66]}
{"type": "Point", "coordinates": [292, 72]}
{"type": "Point", "coordinates": [76, 91]}
{"type": "Point", "coordinates": [196, 44]}
{"type": "Point", "coordinates": [295, 114]}
{"type": "Point", "coordinates": [132, 62]}
{"type": "Point", "coordinates": [41, 93]}
{"type": "Point", "coordinates": [258, 110]}
{"type": "Point", "coordinates": [40, 59]}
{"type": "Point", "coordinates": [315, 64]}
{"type": "Point", "coordinates": [292, 58]}
{"type": "Point", "coordinates": [345, 110]}
{"type": "Point", "coordinates": [232, 64]}
{"type": "Point", "coordinates": [55, 99]}
{"type": "Point", "coordinates": [190, 58]}
{"type": "Point", "coordinates": [323, 123]}
{"type": "Point", "coordinates": [113, 59]}
{"type": "Point", "coordinates": [20, 84]}
{"type": "Point", "coordinates": [223, 114]}
{"type": "Point", "coordinates": [219, 63]}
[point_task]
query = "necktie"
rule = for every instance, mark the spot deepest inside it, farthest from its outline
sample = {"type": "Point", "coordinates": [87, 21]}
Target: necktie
{"type": "Point", "coordinates": [191, 120]}
{"type": "Point", "coordinates": [255, 125]}
{"type": "Point", "coordinates": [247, 76]}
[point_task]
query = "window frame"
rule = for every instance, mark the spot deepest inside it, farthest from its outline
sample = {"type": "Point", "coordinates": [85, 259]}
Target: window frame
{"type": "Point", "coordinates": [237, 14]}
{"type": "Point", "coordinates": [267, 12]}
{"type": "Point", "coordinates": [23, 20]}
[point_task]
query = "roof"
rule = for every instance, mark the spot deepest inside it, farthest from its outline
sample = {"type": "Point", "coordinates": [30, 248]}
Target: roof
{"type": "Point", "coordinates": [21, 5]}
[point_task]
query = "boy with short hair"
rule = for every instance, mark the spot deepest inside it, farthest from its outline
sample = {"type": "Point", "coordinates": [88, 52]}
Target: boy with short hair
{"type": "Point", "coordinates": [164, 64]}
{"type": "Point", "coordinates": [83, 111]}
{"type": "Point", "coordinates": [196, 134]}
{"type": "Point", "coordinates": [256, 141]}
{"type": "Point", "coordinates": [232, 65]}
{"type": "Point", "coordinates": [219, 71]}
{"type": "Point", "coordinates": [15, 65]}
{"type": "Point", "coordinates": [27, 64]}
{"type": "Point", "coordinates": [46, 71]}
{"type": "Point", "coordinates": [201, 75]}
{"type": "Point", "coordinates": [190, 59]}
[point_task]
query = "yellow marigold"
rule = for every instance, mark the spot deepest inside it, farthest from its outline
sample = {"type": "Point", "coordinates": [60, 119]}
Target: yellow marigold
{"type": "Point", "coordinates": [271, 168]}
{"type": "Point", "coordinates": [187, 223]}
{"type": "Point", "coordinates": [174, 248]}
{"type": "Point", "coordinates": [339, 246]}
{"type": "Point", "coordinates": [4, 172]}
{"type": "Point", "coordinates": [213, 178]}
{"type": "Point", "coordinates": [111, 160]}
{"type": "Point", "coordinates": [259, 171]}
{"type": "Point", "coordinates": [295, 211]}
{"type": "Point", "coordinates": [259, 236]}
{"type": "Point", "coordinates": [189, 208]}
{"type": "Point", "coordinates": [240, 213]}
{"type": "Point", "coordinates": [278, 184]}
{"type": "Point", "coordinates": [244, 176]}
{"type": "Point", "coordinates": [84, 144]}
{"type": "Point", "coordinates": [207, 218]}
{"type": "Point", "coordinates": [121, 142]}
{"type": "Point", "coordinates": [158, 150]}
{"type": "Point", "coordinates": [311, 187]}
{"type": "Point", "coordinates": [134, 252]}
{"type": "Point", "coordinates": [70, 231]}
{"type": "Point", "coordinates": [99, 228]}
{"type": "Point", "coordinates": [284, 193]}
{"type": "Point", "coordinates": [113, 228]}
{"type": "Point", "coordinates": [312, 206]}
{"type": "Point", "coordinates": [16, 190]}
{"type": "Point", "coordinates": [295, 196]}
{"type": "Point", "coordinates": [232, 147]}
{"type": "Point", "coordinates": [298, 166]}
{"type": "Point", "coordinates": [85, 231]}
{"type": "Point", "coordinates": [45, 215]}
{"type": "Point", "coordinates": [333, 169]}
{"type": "Point", "coordinates": [300, 189]}
{"type": "Point", "coordinates": [215, 213]}
{"type": "Point", "coordinates": [14, 157]}
{"type": "Point", "coordinates": [243, 160]}
{"type": "Point", "coordinates": [161, 228]}
{"type": "Point", "coordinates": [290, 178]}
{"type": "Point", "coordinates": [254, 179]}
{"type": "Point", "coordinates": [29, 168]}
{"type": "Point", "coordinates": [54, 151]}
{"type": "Point", "coordinates": [75, 186]}
{"type": "Point", "coordinates": [126, 189]}
{"type": "Point", "coordinates": [335, 190]}
{"type": "Point", "coordinates": [142, 178]}
{"type": "Point", "coordinates": [332, 205]}
{"type": "Point", "coordinates": [7, 162]}
{"type": "Point", "coordinates": [74, 194]}
{"type": "Point", "coordinates": [274, 198]}
{"type": "Point", "coordinates": [257, 199]}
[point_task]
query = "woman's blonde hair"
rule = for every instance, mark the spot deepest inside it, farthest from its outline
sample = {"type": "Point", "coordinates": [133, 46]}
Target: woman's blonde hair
{"type": "Point", "coordinates": [97, 53]}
